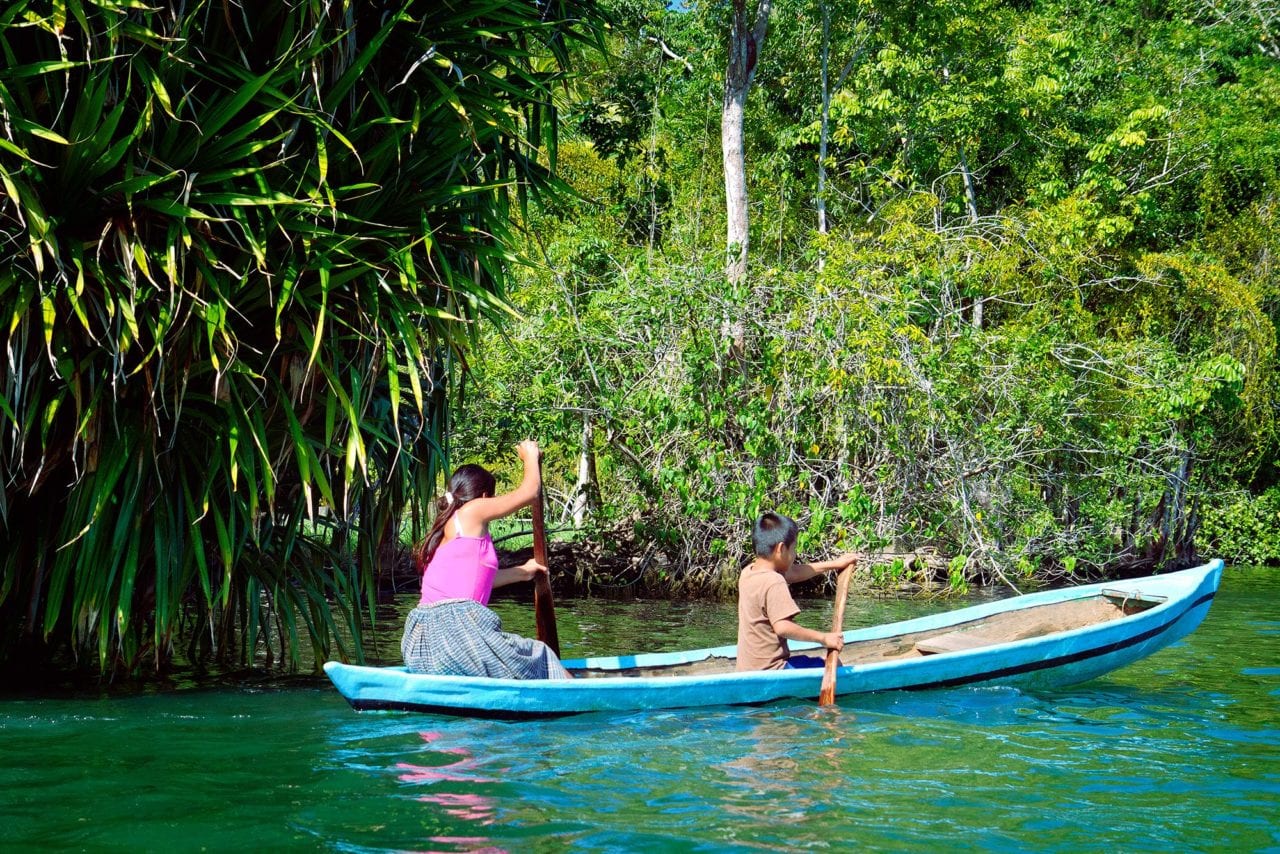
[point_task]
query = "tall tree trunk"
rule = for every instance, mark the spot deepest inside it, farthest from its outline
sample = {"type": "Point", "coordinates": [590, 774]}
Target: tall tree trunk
{"type": "Point", "coordinates": [970, 189]}
{"type": "Point", "coordinates": [586, 492]}
{"type": "Point", "coordinates": [1174, 531]}
{"type": "Point", "coordinates": [822, 138]}
{"type": "Point", "coordinates": [971, 203]}
{"type": "Point", "coordinates": [652, 170]}
{"type": "Point", "coordinates": [746, 40]}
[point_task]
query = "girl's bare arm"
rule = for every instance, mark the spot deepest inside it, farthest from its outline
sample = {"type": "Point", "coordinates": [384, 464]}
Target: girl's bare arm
{"type": "Point", "coordinates": [479, 512]}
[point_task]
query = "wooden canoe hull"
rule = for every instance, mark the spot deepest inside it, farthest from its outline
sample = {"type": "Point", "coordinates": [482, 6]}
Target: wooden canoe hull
{"type": "Point", "coordinates": [1174, 604]}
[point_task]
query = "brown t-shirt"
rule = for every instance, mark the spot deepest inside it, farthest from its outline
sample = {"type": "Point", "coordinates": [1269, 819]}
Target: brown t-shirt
{"type": "Point", "coordinates": [763, 597]}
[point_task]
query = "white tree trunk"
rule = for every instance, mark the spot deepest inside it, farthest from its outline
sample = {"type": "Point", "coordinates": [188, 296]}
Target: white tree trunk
{"type": "Point", "coordinates": [746, 40]}
{"type": "Point", "coordinates": [822, 138]}
{"type": "Point", "coordinates": [586, 489]}
{"type": "Point", "coordinates": [971, 202]}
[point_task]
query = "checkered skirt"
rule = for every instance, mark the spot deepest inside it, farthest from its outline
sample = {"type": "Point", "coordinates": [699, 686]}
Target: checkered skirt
{"type": "Point", "coordinates": [461, 637]}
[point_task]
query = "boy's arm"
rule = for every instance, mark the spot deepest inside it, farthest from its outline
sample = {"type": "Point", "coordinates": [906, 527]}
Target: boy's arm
{"type": "Point", "coordinates": [804, 571]}
{"type": "Point", "coordinates": [791, 630]}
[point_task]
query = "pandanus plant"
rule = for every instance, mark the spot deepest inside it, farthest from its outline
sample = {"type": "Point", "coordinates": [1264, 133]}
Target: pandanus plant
{"type": "Point", "coordinates": [242, 248]}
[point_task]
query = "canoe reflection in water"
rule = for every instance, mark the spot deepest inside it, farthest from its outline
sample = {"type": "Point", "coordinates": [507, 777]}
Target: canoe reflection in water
{"type": "Point", "coordinates": [466, 806]}
{"type": "Point", "coordinates": [773, 780]}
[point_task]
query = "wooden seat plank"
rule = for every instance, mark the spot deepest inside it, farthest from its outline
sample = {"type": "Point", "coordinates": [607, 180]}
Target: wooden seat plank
{"type": "Point", "coordinates": [953, 642]}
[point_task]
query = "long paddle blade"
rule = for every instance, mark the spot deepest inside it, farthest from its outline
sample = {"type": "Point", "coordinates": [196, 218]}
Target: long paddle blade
{"type": "Point", "coordinates": [827, 694]}
{"type": "Point", "coordinates": [544, 610]}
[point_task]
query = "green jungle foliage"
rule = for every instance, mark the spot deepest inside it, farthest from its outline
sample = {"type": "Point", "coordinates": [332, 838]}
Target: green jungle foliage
{"type": "Point", "coordinates": [1244, 528]}
{"type": "Point", "coordinates": [242, 246]}
{"type": "Point", "coordinates": [1037, 337]}
{"type": "Point", "coordinates": [247, 250]}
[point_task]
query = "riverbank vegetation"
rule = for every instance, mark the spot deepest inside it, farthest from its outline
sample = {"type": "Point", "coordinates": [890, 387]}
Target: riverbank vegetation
{"type": "Point", "coordinates": [985, 289]}
{"type": "Point", "coordinates": [1011, 295]}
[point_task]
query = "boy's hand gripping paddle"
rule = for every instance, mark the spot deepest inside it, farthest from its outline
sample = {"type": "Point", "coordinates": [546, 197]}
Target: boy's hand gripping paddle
{"type": "Point", "coordinates": [827, 694]}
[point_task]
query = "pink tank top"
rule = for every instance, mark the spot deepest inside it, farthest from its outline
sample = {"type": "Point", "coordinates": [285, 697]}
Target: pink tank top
{"type": "Point", "coordinates": [462, 568]}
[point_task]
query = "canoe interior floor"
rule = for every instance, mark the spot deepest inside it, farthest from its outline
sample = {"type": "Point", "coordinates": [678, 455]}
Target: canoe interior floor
{"type": "Point", "coordinates": [997, 628]}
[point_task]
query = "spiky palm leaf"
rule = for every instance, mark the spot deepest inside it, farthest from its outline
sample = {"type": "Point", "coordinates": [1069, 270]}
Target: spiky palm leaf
{"type": "Point", "coordinates": [239, 246]}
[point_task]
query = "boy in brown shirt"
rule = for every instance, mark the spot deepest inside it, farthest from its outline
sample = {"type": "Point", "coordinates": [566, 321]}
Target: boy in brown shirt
{"type": "Point", "coordinates": [766, 611]}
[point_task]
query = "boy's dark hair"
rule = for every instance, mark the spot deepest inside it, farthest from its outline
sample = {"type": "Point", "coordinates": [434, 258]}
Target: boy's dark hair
{"type": "Point", "coordinates": [772, 529]}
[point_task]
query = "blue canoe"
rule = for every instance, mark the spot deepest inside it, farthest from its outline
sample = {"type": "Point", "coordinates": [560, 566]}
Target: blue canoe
{"type": "Point", "coordinates": [1035, 641]}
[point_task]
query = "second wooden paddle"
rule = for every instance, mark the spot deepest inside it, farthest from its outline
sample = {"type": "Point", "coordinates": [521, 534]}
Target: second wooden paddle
{"type": "Point", "coordinates": [827, 694]}
{"type": "Point", "coordinates": [544, 610]}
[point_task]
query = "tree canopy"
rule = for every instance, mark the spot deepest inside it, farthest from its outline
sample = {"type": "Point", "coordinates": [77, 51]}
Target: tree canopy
{"type": "Point", "coordinates": [1033, 332]}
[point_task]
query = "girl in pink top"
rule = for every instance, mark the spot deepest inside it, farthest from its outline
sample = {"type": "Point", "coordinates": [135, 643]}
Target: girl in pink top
{"type": "Point", "coordinates": [463, 568]}
{"type": "Point", "coordinates": [451, 631]}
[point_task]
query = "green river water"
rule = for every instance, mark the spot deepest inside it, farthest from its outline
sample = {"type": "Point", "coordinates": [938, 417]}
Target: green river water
{"type": "Point", "coordinates": [1178, 752]}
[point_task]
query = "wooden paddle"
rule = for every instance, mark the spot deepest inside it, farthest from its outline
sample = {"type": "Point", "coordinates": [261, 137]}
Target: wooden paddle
{"type": "Point", "coordinates": [544, 609]}
{"type": "Point", "coordinates": [827, 694]}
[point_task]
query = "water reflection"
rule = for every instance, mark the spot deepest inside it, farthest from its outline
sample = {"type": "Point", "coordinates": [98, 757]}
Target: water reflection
{"type": "Point", "coordinates": [468, 807]}
{"type": "Point", "coordinates": [1178, 752]}
{"type": "Point", "coordinates": [790, 763]}
{"type": "Point", "coordinates": [456, 771]}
